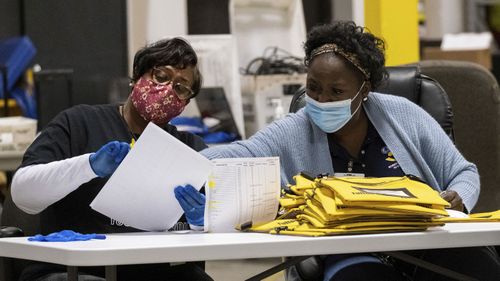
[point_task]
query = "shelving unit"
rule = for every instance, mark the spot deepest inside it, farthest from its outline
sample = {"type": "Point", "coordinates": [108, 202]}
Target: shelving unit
{"type": "Point", "coordinates": [475, 15]}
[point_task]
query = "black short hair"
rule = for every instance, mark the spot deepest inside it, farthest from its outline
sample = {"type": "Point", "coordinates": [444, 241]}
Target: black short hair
{"type": "Point", "coordinates": [176, 52]}
{"type": "Point", "coordinates": [369, 49]}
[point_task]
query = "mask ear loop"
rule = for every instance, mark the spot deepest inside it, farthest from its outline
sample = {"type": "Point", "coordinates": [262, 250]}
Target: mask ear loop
{"type": "Point", "coordinates": [355, 111]}
{"type": "Point", "coordinates": [362, 100]}
{"type": "Point", "coordinates": [365, 98]}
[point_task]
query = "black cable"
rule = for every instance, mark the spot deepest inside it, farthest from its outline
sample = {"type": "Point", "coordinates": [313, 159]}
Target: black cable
{"type": "Point", "coordinates": [275, 61]}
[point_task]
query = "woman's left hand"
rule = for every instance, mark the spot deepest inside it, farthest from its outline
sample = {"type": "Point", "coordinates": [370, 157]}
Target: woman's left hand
{"type": "Point", "coordinates": [454, 199]}
{"type": "Point", "coordinates": [192, 202]}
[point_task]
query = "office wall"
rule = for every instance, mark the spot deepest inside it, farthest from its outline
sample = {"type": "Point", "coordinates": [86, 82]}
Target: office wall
{"type": "Point", "coordinates": [208, 17]}
{"type": "Point", "coordinates": [86, 36]}
{"type": "Point", "coordinates": [443, 16]}
{"type": "Point", "coordinates": [151, 20]}
{"type": "Point", "coordinates": [348, 10]}
{"type": "Point", "coordinates": [10, 18]}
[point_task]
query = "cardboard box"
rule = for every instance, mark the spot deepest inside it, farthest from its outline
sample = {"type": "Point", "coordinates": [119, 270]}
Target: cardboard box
{"type": "Point", "coordinates": [16, 133]}
{"type": "Point", "coordinates": [482, 56]}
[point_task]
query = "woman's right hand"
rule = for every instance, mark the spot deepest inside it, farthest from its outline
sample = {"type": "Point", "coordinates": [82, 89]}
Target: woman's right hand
{"type": "Point", "coordinates": [105, 161]}
{"type": "Point", "coordinates": [454, 199]}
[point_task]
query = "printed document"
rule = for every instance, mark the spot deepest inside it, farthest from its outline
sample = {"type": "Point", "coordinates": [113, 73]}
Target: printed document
{"type": "Point", "coordinates": [242, 190]}
{"type": "Point", "coordinates": [140, 193]}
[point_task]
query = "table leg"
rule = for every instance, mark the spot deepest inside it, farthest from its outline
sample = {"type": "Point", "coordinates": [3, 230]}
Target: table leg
{"type": "Point", "coordinates": [6, 269]}
{"type": "Point", "coordinates": [430, 266]}
{"type": "Point", "coordinates": [289, 262]}
{"type": "Point", "coordinates": [111, 273]}
{"type": "Point", "coordinates": [72, 273]}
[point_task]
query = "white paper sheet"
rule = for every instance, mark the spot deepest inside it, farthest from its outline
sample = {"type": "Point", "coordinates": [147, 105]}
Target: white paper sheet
{"type": "Point", "coordinates": [140, 193]}
{"type": "Point", "coordinates": [241, 190]}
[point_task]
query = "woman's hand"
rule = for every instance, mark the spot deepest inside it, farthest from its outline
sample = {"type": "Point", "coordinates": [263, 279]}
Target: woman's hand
{"type": "Point", "coordinates": [454, 199]}
{"type": "Point", "coordinates": [105, 161]}
{"type": "Point", "coordinates": [192, 202]}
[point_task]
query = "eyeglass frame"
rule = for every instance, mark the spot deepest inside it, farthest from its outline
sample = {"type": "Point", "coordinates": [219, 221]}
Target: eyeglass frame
{"type": "Point", "coordinates": [174, 85]}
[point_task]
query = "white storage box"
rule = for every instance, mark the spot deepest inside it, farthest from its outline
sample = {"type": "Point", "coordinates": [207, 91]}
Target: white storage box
{"type": "Point", "coordinates": [266, 98]}
{"type": "Point", "coordinates": [16, 133]}
{"type": "Point", "coordinates": [258, 24]}
{"type": "Point", "coordinates": [218, 63]}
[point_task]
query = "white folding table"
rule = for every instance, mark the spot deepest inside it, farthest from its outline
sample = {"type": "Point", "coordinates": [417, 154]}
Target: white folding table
{"type": "Point", "coordinates": [143, 248]}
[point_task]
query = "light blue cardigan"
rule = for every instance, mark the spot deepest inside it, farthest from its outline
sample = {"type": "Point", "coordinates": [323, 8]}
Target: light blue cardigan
{"type": "Point", "coordinates": [416, 140]}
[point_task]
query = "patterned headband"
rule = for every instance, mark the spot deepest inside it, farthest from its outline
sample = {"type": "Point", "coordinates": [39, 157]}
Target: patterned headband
{"type": "Point", "coordinates": [333, 48]}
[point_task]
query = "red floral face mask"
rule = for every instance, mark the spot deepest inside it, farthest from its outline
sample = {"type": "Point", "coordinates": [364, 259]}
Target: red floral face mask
{"type": "Point", "coordinates": [156, 103]}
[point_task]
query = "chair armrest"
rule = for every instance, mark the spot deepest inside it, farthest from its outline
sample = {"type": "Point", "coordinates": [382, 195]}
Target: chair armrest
{"type": "Point", "coordinates": [10, 231]}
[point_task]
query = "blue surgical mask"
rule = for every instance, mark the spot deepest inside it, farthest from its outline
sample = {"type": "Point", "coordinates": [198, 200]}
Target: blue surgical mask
{"type": "Point", "coordinates": [331, 116]}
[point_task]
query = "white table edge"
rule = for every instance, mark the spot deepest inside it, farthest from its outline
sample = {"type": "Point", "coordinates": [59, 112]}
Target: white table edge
{"type": "Point", "coordinates": [139, 248]}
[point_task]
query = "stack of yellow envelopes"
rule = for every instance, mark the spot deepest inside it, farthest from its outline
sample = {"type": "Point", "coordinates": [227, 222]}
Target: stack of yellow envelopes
{"type": "Point", "coordinates": [348, 205]}
{"type": "Point", "coordinates": [477, 217]}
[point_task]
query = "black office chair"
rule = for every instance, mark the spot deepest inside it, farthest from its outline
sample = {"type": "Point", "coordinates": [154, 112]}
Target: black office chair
{"type": "Point", "coordinates": [475, 95]}
{"type": "Point", "coordinates": [405, 81]}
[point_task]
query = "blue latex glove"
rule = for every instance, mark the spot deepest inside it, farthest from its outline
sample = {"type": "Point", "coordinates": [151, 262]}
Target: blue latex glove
{"type": "Point", "coordinates": [66, 236]}
{"type": "Point", "coordinates": [105, 161]}
{"type": "Point", "coordinates": [192, 202]}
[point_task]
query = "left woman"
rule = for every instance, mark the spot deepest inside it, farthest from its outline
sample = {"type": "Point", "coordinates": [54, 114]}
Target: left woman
{"type": "Point", "coordinates": [71, 160]}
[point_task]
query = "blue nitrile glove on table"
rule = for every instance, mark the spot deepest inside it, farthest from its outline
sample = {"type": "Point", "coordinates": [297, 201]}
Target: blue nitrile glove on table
{"type": "Point", "coordinates": [66, 236]}
{"type": "Point", "coordinates": [105, 161]}
{"type": "Point", "coordinates": [192, 202]}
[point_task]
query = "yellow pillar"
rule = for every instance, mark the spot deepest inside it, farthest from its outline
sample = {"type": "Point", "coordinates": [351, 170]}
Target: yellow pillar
{"type": "Point", "coordinates": [395, 21]}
